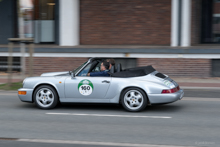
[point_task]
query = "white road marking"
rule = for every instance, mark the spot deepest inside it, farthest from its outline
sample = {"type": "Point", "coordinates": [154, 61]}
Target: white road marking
{"type": "Point", "coordinates": [96, 143]}
{"type": "Point", "coordinates": [107, 115]}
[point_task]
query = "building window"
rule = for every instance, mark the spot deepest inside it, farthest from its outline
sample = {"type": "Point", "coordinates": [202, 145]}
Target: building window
{"type": "Point", "coordinates": [16, 65]}
{"type": "Point", "coordinates": [36, 19]}
{"type": "Point", "coordinates": [216, 21]}
{"type": "Point", "coordinates": [216, 67]}
{"type": "Point", "coordinates": [44, 21]}
{"type": "Point", "coordinates": [25, 18]}
{"type": "Point", "coordinates": [210, 21]}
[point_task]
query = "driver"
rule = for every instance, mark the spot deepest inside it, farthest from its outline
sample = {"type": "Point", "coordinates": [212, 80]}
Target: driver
{"type": "Point", "coordinates": [104, 71]}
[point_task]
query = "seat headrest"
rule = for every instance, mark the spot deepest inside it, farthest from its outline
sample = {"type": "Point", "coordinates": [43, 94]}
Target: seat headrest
{"type": "Point", "coordinates": [112, 70]}
{"type": "Point", "coordinates": [119, 68]}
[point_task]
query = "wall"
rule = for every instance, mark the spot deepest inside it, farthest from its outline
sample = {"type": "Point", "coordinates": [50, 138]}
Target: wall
{"type": "Point", "coordinates": [54, 64]}
{"type": "Point", "coordinates": [178, 67]}
{"type": "Point", "coordinates": [124, 22]}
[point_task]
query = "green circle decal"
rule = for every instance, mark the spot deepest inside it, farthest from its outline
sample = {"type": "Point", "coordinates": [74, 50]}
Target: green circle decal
{"type": "Point", "coordinates": [85, 87]}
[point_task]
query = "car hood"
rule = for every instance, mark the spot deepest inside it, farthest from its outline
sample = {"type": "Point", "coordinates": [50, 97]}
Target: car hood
{"type": "Point", "coordinates": [55, 73]}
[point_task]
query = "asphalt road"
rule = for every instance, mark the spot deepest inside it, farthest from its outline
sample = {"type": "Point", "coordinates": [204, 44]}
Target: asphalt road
{"type": "Point", "coordinates": [193, 121]}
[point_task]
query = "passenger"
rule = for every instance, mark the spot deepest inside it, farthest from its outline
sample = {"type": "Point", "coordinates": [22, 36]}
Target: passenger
{"type": "Point", "coordinates": [104, 71]}
{"type": "Point", "coordinates": [111, 62]}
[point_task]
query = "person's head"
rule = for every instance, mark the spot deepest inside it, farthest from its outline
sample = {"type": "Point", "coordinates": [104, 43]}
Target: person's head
{"type": "Point", "coordinates": [111, 62]}
{"type": "Point", "coordinates": [104, 65]}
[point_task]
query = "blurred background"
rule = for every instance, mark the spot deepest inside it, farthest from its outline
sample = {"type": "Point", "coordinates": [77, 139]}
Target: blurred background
{"type": "Point", "coordinates": [180, 38]}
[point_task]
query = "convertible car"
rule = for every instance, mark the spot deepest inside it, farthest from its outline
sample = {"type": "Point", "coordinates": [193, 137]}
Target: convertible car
{"type": "Point", "coordinates": [133, 88]}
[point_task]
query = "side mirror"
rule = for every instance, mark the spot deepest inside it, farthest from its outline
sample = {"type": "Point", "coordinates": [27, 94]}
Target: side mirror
{"type": "Point", "coordinates": [72, 75]}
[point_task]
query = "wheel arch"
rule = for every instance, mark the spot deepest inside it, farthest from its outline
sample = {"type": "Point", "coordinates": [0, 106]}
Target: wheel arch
{"type": "Point", "coordinates": [125, 88]}
{"type": "Point", "coordinates": [47, 85]}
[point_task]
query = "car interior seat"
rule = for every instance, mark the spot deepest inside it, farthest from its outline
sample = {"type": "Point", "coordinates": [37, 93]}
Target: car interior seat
{"type": "Point", "coordinates": [112, 70]}
{"type": "Point", "coordinates": [119, 68]}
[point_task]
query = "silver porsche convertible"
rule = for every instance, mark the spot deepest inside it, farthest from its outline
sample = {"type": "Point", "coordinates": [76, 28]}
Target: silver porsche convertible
{"type": "Point", "coordinates": [133, 88]}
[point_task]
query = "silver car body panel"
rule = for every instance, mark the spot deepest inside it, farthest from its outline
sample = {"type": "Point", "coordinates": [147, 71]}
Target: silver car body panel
{"type": "Point", "coordinates": [54, 73]}
{"type": "Point", "coordinates": [105, 90]}
{"type": "Point", "coordinates": [28, 96]}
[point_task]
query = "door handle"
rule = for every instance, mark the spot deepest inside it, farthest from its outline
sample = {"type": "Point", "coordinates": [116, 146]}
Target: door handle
{"type": "Point", "coordinates": [105, 81]}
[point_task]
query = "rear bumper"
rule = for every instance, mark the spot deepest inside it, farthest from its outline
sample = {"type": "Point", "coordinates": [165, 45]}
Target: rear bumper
{"type": "Point", "coordinates": [165, 98]}
{"type": "Point", "coordinates": [28, 96]}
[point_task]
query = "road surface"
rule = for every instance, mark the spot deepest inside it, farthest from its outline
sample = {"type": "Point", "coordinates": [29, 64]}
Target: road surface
{"type": "Point", "coordinates": [193, 121]}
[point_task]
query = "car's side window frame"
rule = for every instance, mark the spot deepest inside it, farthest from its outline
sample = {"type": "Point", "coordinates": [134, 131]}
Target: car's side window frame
{"type": "Point", "coordinates": [96, 66]}
{"type": "Point", "coordinates": [85, 66]}
{"type": "Point", "coordinates": [82, 68]}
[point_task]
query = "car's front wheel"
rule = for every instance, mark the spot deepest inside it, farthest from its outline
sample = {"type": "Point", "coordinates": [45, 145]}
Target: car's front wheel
{"type": "Point", "coordinates": [134, 99]}
{"type": "Point", "coordinates": [45, 97]}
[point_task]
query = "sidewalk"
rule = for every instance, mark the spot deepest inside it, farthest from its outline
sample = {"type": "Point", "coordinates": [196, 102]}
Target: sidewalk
{"type": "Point", "coordinates": [185, 83]}
{"type": "Point", "coordinates": [15, 78]}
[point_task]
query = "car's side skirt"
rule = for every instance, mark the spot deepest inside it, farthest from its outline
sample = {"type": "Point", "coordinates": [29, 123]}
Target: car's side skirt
{"type": "Point", "coordinates": [78, 100]}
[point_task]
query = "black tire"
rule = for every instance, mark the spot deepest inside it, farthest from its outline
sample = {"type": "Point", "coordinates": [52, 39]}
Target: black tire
{"type": "Point", "coordinates": [39, 103]}
{"type": "Point", "coordinates": [138, 91]}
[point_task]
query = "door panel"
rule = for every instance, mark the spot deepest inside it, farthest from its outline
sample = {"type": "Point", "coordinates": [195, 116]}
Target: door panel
{"type": "Point", "coordinates": [87, 87]}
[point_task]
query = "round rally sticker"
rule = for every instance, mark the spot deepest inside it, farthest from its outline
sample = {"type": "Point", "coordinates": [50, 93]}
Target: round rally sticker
{"type": "Point", "coordinates": [85, 87]}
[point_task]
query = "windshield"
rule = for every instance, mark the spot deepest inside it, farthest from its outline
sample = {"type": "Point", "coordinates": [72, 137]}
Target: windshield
{"type": "Point", "coordinates": [76, 70]}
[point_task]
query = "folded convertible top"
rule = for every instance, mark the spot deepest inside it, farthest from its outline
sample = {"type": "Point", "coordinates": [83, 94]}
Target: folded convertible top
{"type": "Point", "coordinates": [134, 72]}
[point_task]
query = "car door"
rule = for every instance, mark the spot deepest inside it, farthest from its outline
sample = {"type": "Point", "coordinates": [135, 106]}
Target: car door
{"type": "Point", "coordinates": [87, 87]}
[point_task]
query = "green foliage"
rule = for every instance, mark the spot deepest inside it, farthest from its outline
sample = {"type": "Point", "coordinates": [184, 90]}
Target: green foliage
{"type": "Point", "coordinates": [14, 86]}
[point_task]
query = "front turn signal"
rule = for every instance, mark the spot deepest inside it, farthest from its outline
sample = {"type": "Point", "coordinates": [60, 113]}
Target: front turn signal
{"type": "Point", "coordinates": [22, 92]}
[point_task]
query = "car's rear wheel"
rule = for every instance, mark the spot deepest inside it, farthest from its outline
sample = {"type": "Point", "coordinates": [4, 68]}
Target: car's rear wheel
{"type": "Point", "coordinates": [45, 97]}
{"type": "Point", "coordinates": [134, 99]}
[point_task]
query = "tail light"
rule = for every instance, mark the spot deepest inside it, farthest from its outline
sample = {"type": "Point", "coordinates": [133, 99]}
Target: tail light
{"type": "Point", "coordinates": [178, 88]}
{"type": "Point", "coordinates": [171, 90]}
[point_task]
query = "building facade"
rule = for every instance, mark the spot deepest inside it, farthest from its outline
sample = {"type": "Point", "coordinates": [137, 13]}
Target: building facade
{"type": "Point", "coordinates": [172, 24]}
{"type": "Point", "coordinates": [112, 22]}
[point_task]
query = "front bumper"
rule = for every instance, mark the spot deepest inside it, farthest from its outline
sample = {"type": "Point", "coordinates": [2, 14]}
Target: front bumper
{"type": "Point", "coordinates": [28, 96]}
{"type": "Point", "coordinates": [165, 98]}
